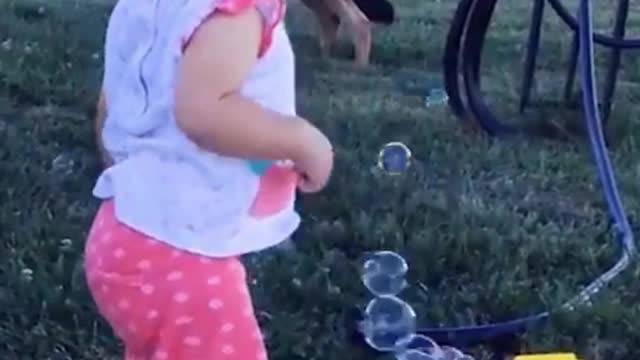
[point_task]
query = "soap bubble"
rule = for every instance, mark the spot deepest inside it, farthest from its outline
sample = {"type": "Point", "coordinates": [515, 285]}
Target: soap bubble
{"type": "Point", "coordinates": [414, 354]}
{"type": "Point", "coordinates": [426, 345]}
{"type": "Point", "coordinates": [432, 353]}
{"type": "Point", "coordinates": [389, 323]}
{"type": "Point", "coordinates": [394, 158]}
{"type": "Point", "coordinates": [436, 97]}
{"type": "Point", "coordinates": [387, 262]}
{"type": "Point", "coordinates": [383, 273]}
{"type": "Point", "coordinates": [451, 353]}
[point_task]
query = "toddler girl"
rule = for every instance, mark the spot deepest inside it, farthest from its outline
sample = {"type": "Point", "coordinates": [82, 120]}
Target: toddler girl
{"type": "Point", "coordinates": [196, 94]}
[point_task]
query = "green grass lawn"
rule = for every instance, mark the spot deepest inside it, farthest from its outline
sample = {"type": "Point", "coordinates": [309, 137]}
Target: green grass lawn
{"type": "Point", "coordinates": [495, 229]}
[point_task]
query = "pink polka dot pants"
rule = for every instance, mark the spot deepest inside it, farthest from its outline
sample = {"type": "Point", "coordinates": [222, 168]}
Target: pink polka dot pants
{"type": "Point", "coordinates": [164, 303]}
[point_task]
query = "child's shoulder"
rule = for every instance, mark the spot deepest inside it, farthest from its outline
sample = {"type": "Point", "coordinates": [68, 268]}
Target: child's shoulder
{"type": "Point", "coordinates": [134, 24]}
{"type": "Point", "coordinates": [159, 10]}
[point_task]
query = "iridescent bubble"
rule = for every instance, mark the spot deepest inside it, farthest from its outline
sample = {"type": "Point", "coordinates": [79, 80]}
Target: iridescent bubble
{"type": "Point", "coordinates": [387, 262]}
{"type": "Point", "coordinates": [394, 158]}
{"type": "Point", "coordinates": [451, 353]}
{"type": "Point", "coordinates": [436, 97]}
{"type": "Point", "coordinates": [383, 284]}
{"type": "Point", "coordinates": [413, 354]}
{"type": "Point", "coordinates": [389, 323]}
{"type": "Point", "coordinates": [430, 351]}
{"type": "Point", "coordinates": [383, 273]}
{"type": "Point", "coordinates": [426, 345]}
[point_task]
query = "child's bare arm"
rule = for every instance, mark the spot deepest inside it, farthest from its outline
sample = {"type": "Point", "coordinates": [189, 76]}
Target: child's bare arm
{"type": "Point", "coordinates": [101, 114]}
{"type": "Point", "coordinates": [208, 107]}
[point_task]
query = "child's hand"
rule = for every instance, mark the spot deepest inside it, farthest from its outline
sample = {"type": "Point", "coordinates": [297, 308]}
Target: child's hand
{"type": "Point", "coordinates": [315, 160]}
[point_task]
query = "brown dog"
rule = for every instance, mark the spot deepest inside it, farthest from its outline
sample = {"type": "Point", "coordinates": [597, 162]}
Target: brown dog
{"type": "Point", "coordinates": [357, 15]}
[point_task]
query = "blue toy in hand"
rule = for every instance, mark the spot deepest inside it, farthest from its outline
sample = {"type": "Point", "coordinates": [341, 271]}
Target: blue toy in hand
{"type": "Point", "coordinates": [259, 167]}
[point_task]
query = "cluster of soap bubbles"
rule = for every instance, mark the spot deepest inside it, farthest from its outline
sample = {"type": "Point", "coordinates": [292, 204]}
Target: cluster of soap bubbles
{"type": "Point", "coordinates": [390, 323]}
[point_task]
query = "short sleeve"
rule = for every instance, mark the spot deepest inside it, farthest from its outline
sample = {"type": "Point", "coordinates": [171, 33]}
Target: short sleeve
{"type": "Point", "coordinates": [272, 12]}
